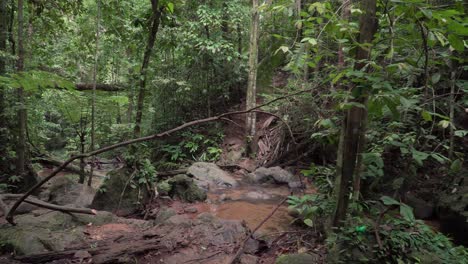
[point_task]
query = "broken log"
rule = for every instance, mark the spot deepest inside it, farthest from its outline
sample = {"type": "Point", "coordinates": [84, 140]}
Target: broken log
{"type": "Point", "coordinates": [100, 86]}
{"type": "Point", "coordinates": [108, 253]}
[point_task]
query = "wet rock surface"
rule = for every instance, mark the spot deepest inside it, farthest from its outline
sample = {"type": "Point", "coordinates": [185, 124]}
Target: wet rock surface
{"type": "Point", "coordinates": [274, 174]}
{"type": "Point", "coordinates": [209, 175]}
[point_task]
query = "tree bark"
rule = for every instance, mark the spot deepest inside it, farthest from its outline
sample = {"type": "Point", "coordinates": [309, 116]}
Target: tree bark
{"type": "Point", "coordinates": [155, 21]}
{"type": "Point", "coordinates": [252, 79]}
{"type": "Point", "coordinates": [345, 13]}
{"type": "Point", "coordinates": [3, 48]}
{"type": "Point", "coordinates": [353, 124]}
{"type": "Point", "coordinates": [93, 102]}
{"type": "Point", "coordinates": [22, 114]}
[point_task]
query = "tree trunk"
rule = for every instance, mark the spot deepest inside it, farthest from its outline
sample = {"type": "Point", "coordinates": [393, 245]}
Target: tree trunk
{"type": "Point", "coordinates": [155, 21]}
{"type": "Point", "coordinates": [252, 80]}
{"type": "Point", "coordinates": [353, 124]}
{"type": "Point", "coordinates": [22, 114]}
{"type": "Point", "coordinates": [3, 48]}
{"type": "Point", "coordinates": [93, 100]}
{"type": "Point", "coordinates": [345, 13]}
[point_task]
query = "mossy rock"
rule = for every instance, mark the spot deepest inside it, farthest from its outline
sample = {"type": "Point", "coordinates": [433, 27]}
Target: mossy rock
{"type": "Point", "coordinates": [109, 197]}
{"type": "Point", "coordinates": [183, 187]}
{"type": "Point", "coordinates": [302, 258]}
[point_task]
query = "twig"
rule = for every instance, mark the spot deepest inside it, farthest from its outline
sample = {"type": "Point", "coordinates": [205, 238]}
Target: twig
{"type": "Point", "coordinates": [9, 216]}
{"type": "Point", "coordinates": [241, 248]}
{"type": "Point", "coordinates": [377, 225]}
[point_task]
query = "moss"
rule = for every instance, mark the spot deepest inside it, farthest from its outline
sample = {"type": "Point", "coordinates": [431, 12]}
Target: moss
{"type": "Point", "coordinates": [185, 188]}
{"type": "Point", "coordinates": [296, 259]}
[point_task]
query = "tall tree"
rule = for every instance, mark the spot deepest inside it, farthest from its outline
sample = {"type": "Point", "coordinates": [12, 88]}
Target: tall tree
{"type": "Point", "coordinates": [93, 99]}
{"type": "Point", "coordinates": [22, 114]}
{"type": "Point", "coordinates": [3, 51]}
{"type": "Point", "coordinates": [356, 116]}
{"type": "Point", "coordinates": [253, 65]}
{"type": "Point", "coordinates": [155, 21]}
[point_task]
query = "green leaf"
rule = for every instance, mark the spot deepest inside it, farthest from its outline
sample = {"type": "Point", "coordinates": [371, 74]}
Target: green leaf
{"type": "Point", "coordinates": [456, 42]}
{"type": "Point", "coordinates": [461, 133]}
{"type": "Point", "coordinates": [407, 212]}
{"type": "Point", "coordinates": [444, 123]}
{"type": "Point", "coordinates": [389, 200]}
{"type": "Point", "coordinates": [435, 78]}
{"type": "Point", "coordinates": [426, 115]}
{"type": "Point", "coordinates": [309, 222]}
{"type": "Point", "coordinates": [170, 7]}
{"type": "Point", "coordinates": [419, 156]}
{"type": "Point", "coordinates": [456, 166]}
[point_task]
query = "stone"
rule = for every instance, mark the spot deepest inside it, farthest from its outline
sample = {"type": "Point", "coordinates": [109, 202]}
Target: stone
{"type": "Point", "coordinates": [109, 197]}
{"type": "Point", "coordinates": [452, 210]}
{"type": "Point", "coordinates": [251, 246]}
{"type": "Point", "coordinates": [68, 192]}
{"type": "Point", "coordinates": [209, 175]}
{"type": "Point", "coordinates": [257, 196]}
{"type": "Point", "coordinates": [421, 208]}
{"type": "Point", "coordinates": [164, 214]}
{"type": "Point", "coordinates": [191, 210]}
{"type": "Point", "coordinates": [183, 187]}
{"type": "Point", "coordinates": [302, 258]}
{"type": "Point", "coordinates": [276, 174]}
{"type": "Point", "coordinates": [248, 259]}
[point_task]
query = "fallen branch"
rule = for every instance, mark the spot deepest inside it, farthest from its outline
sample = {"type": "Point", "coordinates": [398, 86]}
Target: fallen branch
{"type": "Point", "coordinates": [50, 206]}
{"type": "Point", "coordinates": [9, 216]}
{"type": "Point", "coordinates": [242, 245]}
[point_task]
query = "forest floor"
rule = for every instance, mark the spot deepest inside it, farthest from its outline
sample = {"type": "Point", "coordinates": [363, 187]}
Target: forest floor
{"type": "Point", "coordinates": [211, 231]}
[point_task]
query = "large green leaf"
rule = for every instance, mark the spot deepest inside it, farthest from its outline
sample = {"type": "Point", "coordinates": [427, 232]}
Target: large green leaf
{"type": "Point", "coordinates": [456, 42]}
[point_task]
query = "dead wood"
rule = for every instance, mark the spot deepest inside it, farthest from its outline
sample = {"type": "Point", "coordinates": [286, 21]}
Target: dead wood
{"type": "Point", "coordinates": [107, 253]}
{"type": "Point", "coordinates": [42, 204]}
{"type": "Point", "coordinates": [9, 216]}
{"type": "Point", "coordinates": [242, 245]}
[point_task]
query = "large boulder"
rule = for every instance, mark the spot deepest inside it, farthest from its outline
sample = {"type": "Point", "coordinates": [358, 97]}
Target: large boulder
{"type": "Point", "coordinates": [452, 211]}
{"type": "Point", "coordinates": [422, 208]}
{"type": "Point", "coordinates": [276, 174]}
{"type": "Point", "coordinates": [209, 175]}
{"type": "Point", "coordinates": [183, 187]}
{"type": "Point", "coordinates": [44, 230]}
{"type": "Point", "coordinates": [67, 192]}
{"type": "Point", "coordinates": [118, 195]}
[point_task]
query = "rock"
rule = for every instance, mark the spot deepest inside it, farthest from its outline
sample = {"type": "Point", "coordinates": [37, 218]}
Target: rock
{"type": "Point", "coordinates": [452, 211]}
{"type": "Point", "coordinates": [421, 208]}
{"type": "Point", "coordinates": [257, 196]}
{"type": "Point", "coordinates": [297, 259]}
{"type": "Point", "coordinates": [248, 259]}
{"type": "Point", "coordinates": [68, 192]}
{"type": "Point", "coordinates": [164, 214]}
{"type": "Point", "coordinates": [191, 210]}
{"type": "Point", "coordinates": [251, 246]}
{"type": "Point", "coordinates": [183, 187]}
{"type": "Point", "coordinates": [109, 197]}
{"type": "Point", "coordinates": [210, 175]}
{"type": "Point", "coordinates": [276, 174]}
{"type": "Point", "coordinates": [179, 220]}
